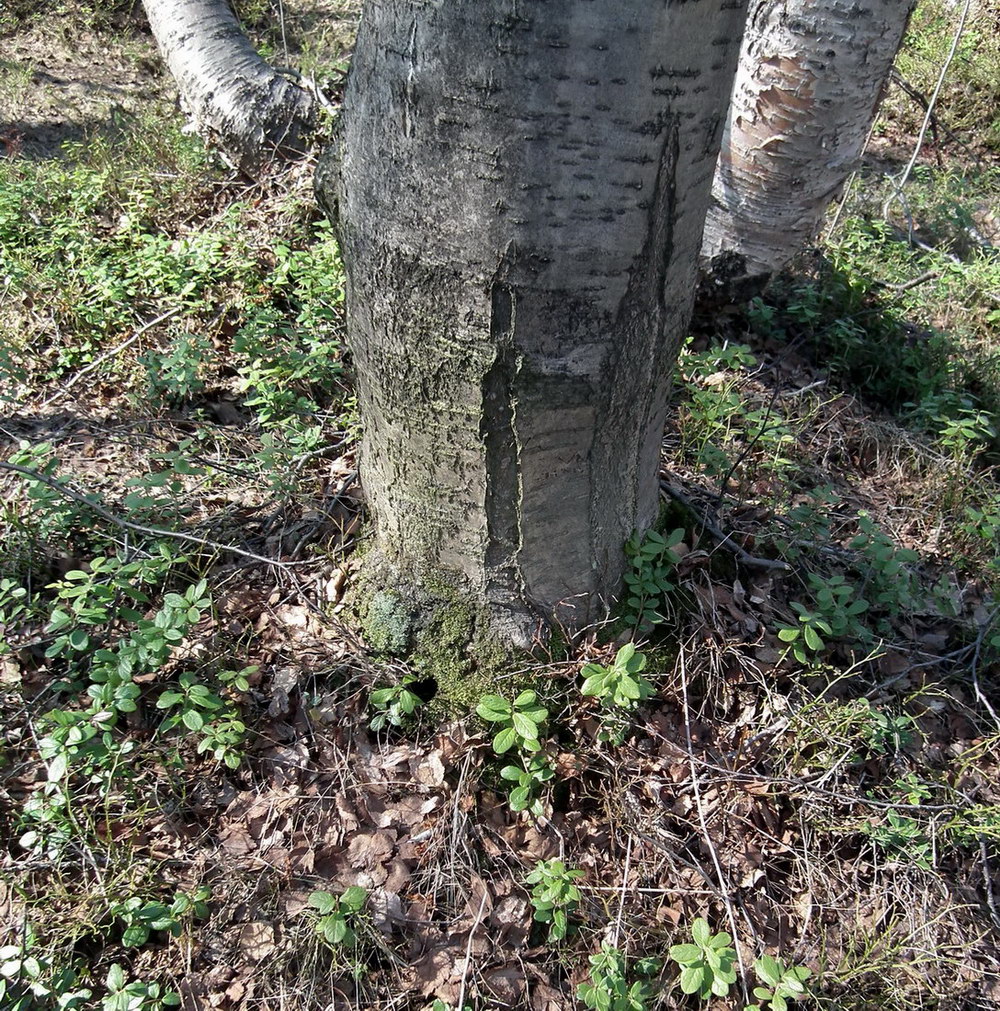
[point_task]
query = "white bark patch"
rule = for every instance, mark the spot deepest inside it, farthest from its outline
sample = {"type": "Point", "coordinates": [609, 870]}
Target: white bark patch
{"type": "Point", "coordinates": [810, 78]}
{"type": "Point", "coordinates": [232, 95]}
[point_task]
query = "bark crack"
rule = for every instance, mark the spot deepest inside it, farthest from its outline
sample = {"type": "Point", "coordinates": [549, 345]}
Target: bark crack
{"type": "Point", "coordinates": [502, 448]}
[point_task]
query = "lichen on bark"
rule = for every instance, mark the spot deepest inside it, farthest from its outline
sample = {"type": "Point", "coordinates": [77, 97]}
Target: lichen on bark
{"type": "Point", "coordinates": [437, 627]}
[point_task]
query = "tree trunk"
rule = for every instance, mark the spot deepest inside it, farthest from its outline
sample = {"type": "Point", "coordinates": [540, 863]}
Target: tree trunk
{"type": "Point", "coordinates": [522, 189]}
{"type": "Point", "coordinates": [253, 113]}
{"type": "Point", "coordinates": [810, 78]}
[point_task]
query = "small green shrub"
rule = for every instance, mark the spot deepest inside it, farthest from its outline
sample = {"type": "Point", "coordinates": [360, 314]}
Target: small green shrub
{"type": "Point", "coordinates": [520, 721]}
{"type": "Point", "coordinates": [609, 988]}
{"type": "Point", "coordinates": [620, 688]}
{"type": "Point", "coordinates": [837, 601]}
{"type": "Point", "coordinates": [904, 837]}
{"type": "Point", "coordinates": [393, 705]}
{"type": "Point", "coordinates": [528, 782]}
{"type": "Point", "coordinates": [861, 341]}
{"type": "Point", "coordinates": [892, 585]}
{"type": "Point", "coordinates": [141, 917]}
{"type": "Point", "coordinates": [554, 895]}
{"type": "Point", "coordinates": [197, 708]}
{"type": "Point", "coordinates": [885, 734]}
{"type": "Point", "coordinates": [29, 981]}
{"type": "Point", "coordinates": [804, 639]}
{"type": "Point", "coordinates": [835, 612]}
{"type": "Point", "coordinates": [648, 580]}
{"type": "Point", "coordinates": [134, 995]}
{"type": "Point", "coordinates": [336, 916]}
{"type": "Point", "coordinates": [707, 964]}
{"type": "Point", "coordinates": [965, 433]}
{"type": "Point", "coordinates": [781, 983]}
{"type": "Point", "coordinates": [178, 370]}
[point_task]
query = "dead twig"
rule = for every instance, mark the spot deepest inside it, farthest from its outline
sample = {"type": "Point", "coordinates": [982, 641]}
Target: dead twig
{"type": "Point", "coordinates": [927, 275]}
{"type": "Point", "coordinates": [974, 666]}
{"type": "Point", "coordinates": [900, 184]}
{"type": "Point", "coordinates": [178, 535]}
{"type": "Point", "coordinates": [468, 947]}
{"type": "Point", "coordinates": [667, 490]}
{"type": "Point", "coordinates": [706, 836]}
{"type": "Point", "coordinates": [621, 897]}
{"type": "Point", "coordinates": [73, 380]}
{"type": "Point", "coordinates": [936, 124]}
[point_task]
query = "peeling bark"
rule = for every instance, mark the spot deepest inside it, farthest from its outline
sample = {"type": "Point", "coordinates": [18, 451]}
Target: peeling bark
{"type": "Point", "coordinates": [234, 98]}
{"type": "Point", "coordinates": [810, 78]}
{"type": "Point", "coordinates": [521, 189]}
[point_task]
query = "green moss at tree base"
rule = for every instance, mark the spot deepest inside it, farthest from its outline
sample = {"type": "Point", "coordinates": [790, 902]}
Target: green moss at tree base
{"type": "Point", "coordinates": [439, 630]}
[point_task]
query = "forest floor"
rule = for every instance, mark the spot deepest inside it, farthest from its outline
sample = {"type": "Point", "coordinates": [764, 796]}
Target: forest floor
{"type": "Point", "coordinates": [213, 791]}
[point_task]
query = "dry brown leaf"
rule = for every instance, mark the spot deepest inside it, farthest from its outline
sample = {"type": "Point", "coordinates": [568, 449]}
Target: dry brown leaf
{"type": "Point", "coordinates": [547, 998]}
{"type": "Point", "coordinates": [257, 940]}
{"type": "Point", "coordinates": [510, 921]}
{"type": "Point", "coordinates": [407, 813]}
{"type": "Point", "coordinates": [438, 974]}
{"type": "Point", "coordinates": [480, 898]}
{"type": "Point", "coordinates": [386, 909]}
{"type": "Point", "coordinates": [236, 840]}
{"type": "Point", "coordinates": [236, 991]}
{"type": "Point", "coordinates": [296, 901]}
{"type": "Point", "coordinates": [451, 742]}
{"type": "Point", "coordinates": [370, 849]}
{"type": "Point", "coordinates": [429, 770]}
{"type": "Point", "coordinates": [505, 986]}
{"type": "Point", "coordinates": [398, 875]}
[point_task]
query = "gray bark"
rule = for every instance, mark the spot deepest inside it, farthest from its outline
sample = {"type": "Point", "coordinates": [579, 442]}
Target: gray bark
{"type": "Point", "coordinates": [810, 78]}
{"type": "Point", "coordinates": [521, 194]}
{"type": "Point", "coordinates": [233, 96]}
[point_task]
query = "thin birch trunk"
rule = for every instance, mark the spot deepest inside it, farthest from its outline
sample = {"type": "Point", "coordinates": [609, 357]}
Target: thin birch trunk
{"type": "Point", "coordinates": [810, 78]}
{"type": "Point", "coordinates": [234, 97]}
{"type": "Point", "coordinates": [521, 199]}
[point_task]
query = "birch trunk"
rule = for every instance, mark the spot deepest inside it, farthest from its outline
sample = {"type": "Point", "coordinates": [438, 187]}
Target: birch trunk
{"type": "Point", "coordinates": [810, 78]}
{"type": "Point", "coordinates": [522, 190]}
{"type": "Point", "coordinates": [253, 113]}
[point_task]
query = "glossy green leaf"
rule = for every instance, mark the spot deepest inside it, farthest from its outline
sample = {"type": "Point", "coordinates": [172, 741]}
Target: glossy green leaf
{"type": "Point", "coordinates": [701, 932]}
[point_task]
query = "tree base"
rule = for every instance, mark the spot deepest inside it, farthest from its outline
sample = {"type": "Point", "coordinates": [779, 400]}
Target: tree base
{"type": "Point", "coordinates": [725, 280]}
{"type": "Point", "coordinates": [438, 628]}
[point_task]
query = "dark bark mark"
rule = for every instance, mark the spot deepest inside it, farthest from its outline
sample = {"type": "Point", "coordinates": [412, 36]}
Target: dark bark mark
{"type": "Point", "coordinates": [643, 311]}
{"type": "Point", "coordinates": [500, 442]}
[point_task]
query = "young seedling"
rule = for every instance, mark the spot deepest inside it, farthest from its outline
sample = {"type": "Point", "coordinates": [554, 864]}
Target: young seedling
{"type": "Point", "coordinates": [134, 995]}
{"type": "Point", "coordinates": [142, 918]}
{"type": "Point", "coordinates": [905, 837]}
{"type": "Point", "coordinates": [620, 684]}
{"type": "Point", "coordinates": [336, 914]}
{"type": "Point", "coordinates": [707, 965]}
{"type": "Point", "coordinates": [782, 983]}
{"type": "Point", "coordinates": [620, 689]}
{"type": "Point", "coordinates": [805, 639]}
{"type": "Point", "coordinates": [609, 989]}
{"type": "Point", "coordinates": [193, 702]}
{"type": "Point", "coordinates": [554, 896]}
{"type": "Point", "coordinates": [519, 721]}
{"type": "Point", "coordinates": [393, 705]}
{"type": "Point", "coordinates": [649, 580]}
{"type": "Point", "coordinates": [529, 780]}
{"type": "Point", "coordinates": [196, 707]}
{"type": "Point", "coordinates": [887, 734]}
